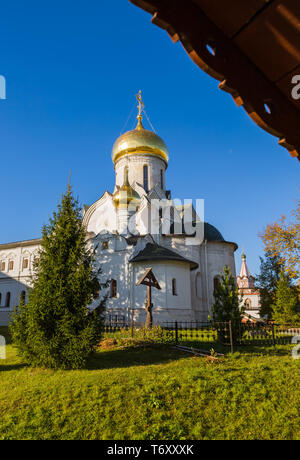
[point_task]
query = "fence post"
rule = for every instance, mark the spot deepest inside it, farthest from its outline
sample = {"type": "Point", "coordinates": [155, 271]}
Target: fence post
{"type": "Point", "coordinates": [176, 332]}
{"type": "Point", "coordinates": [231, 338]}
{"type": "Point", "coordinates": [273, 336]}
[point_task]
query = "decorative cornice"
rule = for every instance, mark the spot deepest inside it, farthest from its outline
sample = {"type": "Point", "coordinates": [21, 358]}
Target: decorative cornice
{"type": "Point", "coordinates": [22, 244]}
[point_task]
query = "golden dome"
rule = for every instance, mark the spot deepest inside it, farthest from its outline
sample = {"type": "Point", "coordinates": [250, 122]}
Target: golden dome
{"type": "Point", "coordinates": [142, 142]}
{"type": "Point", "coordinates": [126, 195]}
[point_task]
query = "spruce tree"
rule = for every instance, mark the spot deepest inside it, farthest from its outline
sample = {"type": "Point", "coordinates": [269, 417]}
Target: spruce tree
{"type": "Point", "coordinates": [56, 329]}
{"type": "Point", "coordinates": [227, 305]}
{"type": "Point", "coordinates": [285, 308]}
{"type": "Point", "coordinates": [266, 283]}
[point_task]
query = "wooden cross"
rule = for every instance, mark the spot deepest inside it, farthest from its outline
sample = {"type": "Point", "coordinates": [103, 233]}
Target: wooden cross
{"type": "Point", "coordinates": [148, 279]}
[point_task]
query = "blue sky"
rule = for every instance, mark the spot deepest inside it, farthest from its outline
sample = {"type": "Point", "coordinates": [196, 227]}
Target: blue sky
{"type": "Point", "coordinates": [72, 70]}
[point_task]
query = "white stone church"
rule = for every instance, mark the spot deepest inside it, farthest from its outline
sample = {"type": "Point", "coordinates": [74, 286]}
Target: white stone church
{"type": "Point", "coordinates": [120, 226]}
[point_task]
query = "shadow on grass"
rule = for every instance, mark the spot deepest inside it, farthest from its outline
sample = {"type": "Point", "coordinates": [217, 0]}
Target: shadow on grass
{"type": "Point", "coordinates": [121, 358]}
{"type": "Point", "coordinates": [256, 348]}
{"type": "Point", "coordinates": [12, 367]}
{"type": "Point", "coordinates": [155, 355]}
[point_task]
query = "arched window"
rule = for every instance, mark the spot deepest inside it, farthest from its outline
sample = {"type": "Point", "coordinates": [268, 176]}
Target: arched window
{"type": "Point", "coordinates": [3, 266]}
{"type": "Point", "coordinates": [113, 289]}
{"type": "Point", "coordinates": [216, 283]}
{"type": "Point", "coordinates": [146, 178]}
{"type": "Point", "coordinates": [23, 297]}
{"type": "Point", "coordinates": [174, 287]}
{"type": "Point", "coordinates": [162, 182]}
{"type": "Point", "coordinates": [10, 265]}
{"type": "Point", "coordinates": [7, 301]}
{"type": "Point", "coordinates": [25, 263]}
{"type": "Point", "coordinates": [248, 304]}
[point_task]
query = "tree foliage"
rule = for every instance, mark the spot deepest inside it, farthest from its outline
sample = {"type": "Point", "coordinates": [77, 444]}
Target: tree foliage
{"type": "Point", "coordinates": [286, 303]}
{"type": "Point", "coordinates": [227, 303]}
{"type": "Point", "coordinates": [266, 283]}
{"type": "Point", "coordinates": [282, 240]}
{"type": "Point", "coordinates": [55, 329]}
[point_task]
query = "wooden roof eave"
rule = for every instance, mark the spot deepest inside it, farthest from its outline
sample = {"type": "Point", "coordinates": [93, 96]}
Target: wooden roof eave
{"type": "Point", "coordinates": [239, 76]}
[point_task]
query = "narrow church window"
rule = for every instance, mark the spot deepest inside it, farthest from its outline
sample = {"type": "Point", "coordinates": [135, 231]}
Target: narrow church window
{"type": "Point", "coordinates": [7, 301]}
{"type": "Point", "coordinates": [216, 283]}
{"type": "Point", "coordinates": [198, 285]}
{"type": "Point", "coordinates": [11, 265]}
{"type": "Point", "coordinates": [146, 178]}
{"type": "Point", "coordinates": [23, 297]}
{"type": "Point", "coordinates": [162, 179]}
{"type": "Point", "coordinates": [172, 214]}
{"type": "Point", "coordinates": [25, 263]}
{"type": "Point", "coordinates": [174, 287]}
{"type": "Point", "coordinates": [104, 245]}
{"type": "Point", "coordinates": [113, 289]}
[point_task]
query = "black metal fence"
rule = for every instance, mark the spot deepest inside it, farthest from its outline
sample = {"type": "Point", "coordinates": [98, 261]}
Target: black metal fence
{"type": "Point", "coordinates": [266, 334]}
{"type": "Point", "coordinates": [207, 334]}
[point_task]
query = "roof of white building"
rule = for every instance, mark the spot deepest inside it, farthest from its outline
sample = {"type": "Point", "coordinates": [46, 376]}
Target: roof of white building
{"type": "Point", "coordinates": [154, 252]}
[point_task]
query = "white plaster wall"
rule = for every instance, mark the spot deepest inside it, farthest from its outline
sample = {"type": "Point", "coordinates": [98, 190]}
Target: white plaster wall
{"type": "Point", "coordinates": [17, 280]}
{"type": "Point", "coordinates": [218, 255]}
{"type": "Point", "coordinates": [114, 266]}
{"type": "Point", "coordinates": [167, 308]}
{"type": "Point", "coordinates": [101, 216]}
{"type": "Point", "coordinates": [255, 303]}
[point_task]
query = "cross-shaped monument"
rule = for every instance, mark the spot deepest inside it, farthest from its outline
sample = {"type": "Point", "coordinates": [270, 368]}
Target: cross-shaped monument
{"type": "Point", "coordinates": [148, 279]}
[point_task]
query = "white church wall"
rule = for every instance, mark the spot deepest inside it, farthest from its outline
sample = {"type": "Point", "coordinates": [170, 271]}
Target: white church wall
{"type": "Point", "coordinates": [17, 280]}
{"type": "Point", "coordinates": [218, 255]}
{"type": "Point", "coordinates": [136, 164]}
{"type": "Point", "coordinates": [167, 307]}
{"type": "Point", "coordinates": [101, 216]}
{"type": "Point", "coordinates": [113, 263]}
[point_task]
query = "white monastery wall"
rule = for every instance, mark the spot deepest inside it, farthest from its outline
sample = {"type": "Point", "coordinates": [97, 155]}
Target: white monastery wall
{"type": "Point", "coordinates": [14, 281]}
{"type": "Point", "coordinates": [136, 164]}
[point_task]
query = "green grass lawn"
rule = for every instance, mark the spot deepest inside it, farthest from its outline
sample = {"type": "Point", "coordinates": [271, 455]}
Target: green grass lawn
{"type": "Point", "coordinates": [155, 393]}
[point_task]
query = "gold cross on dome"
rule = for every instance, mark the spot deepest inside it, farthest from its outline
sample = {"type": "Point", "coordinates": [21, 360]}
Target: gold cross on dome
{"type": "Point", "coordinates": [140, 106]}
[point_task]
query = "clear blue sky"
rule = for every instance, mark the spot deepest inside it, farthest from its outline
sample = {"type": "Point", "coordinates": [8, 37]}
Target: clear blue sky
{"type": "Point", "coordinates": [72, 70]}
